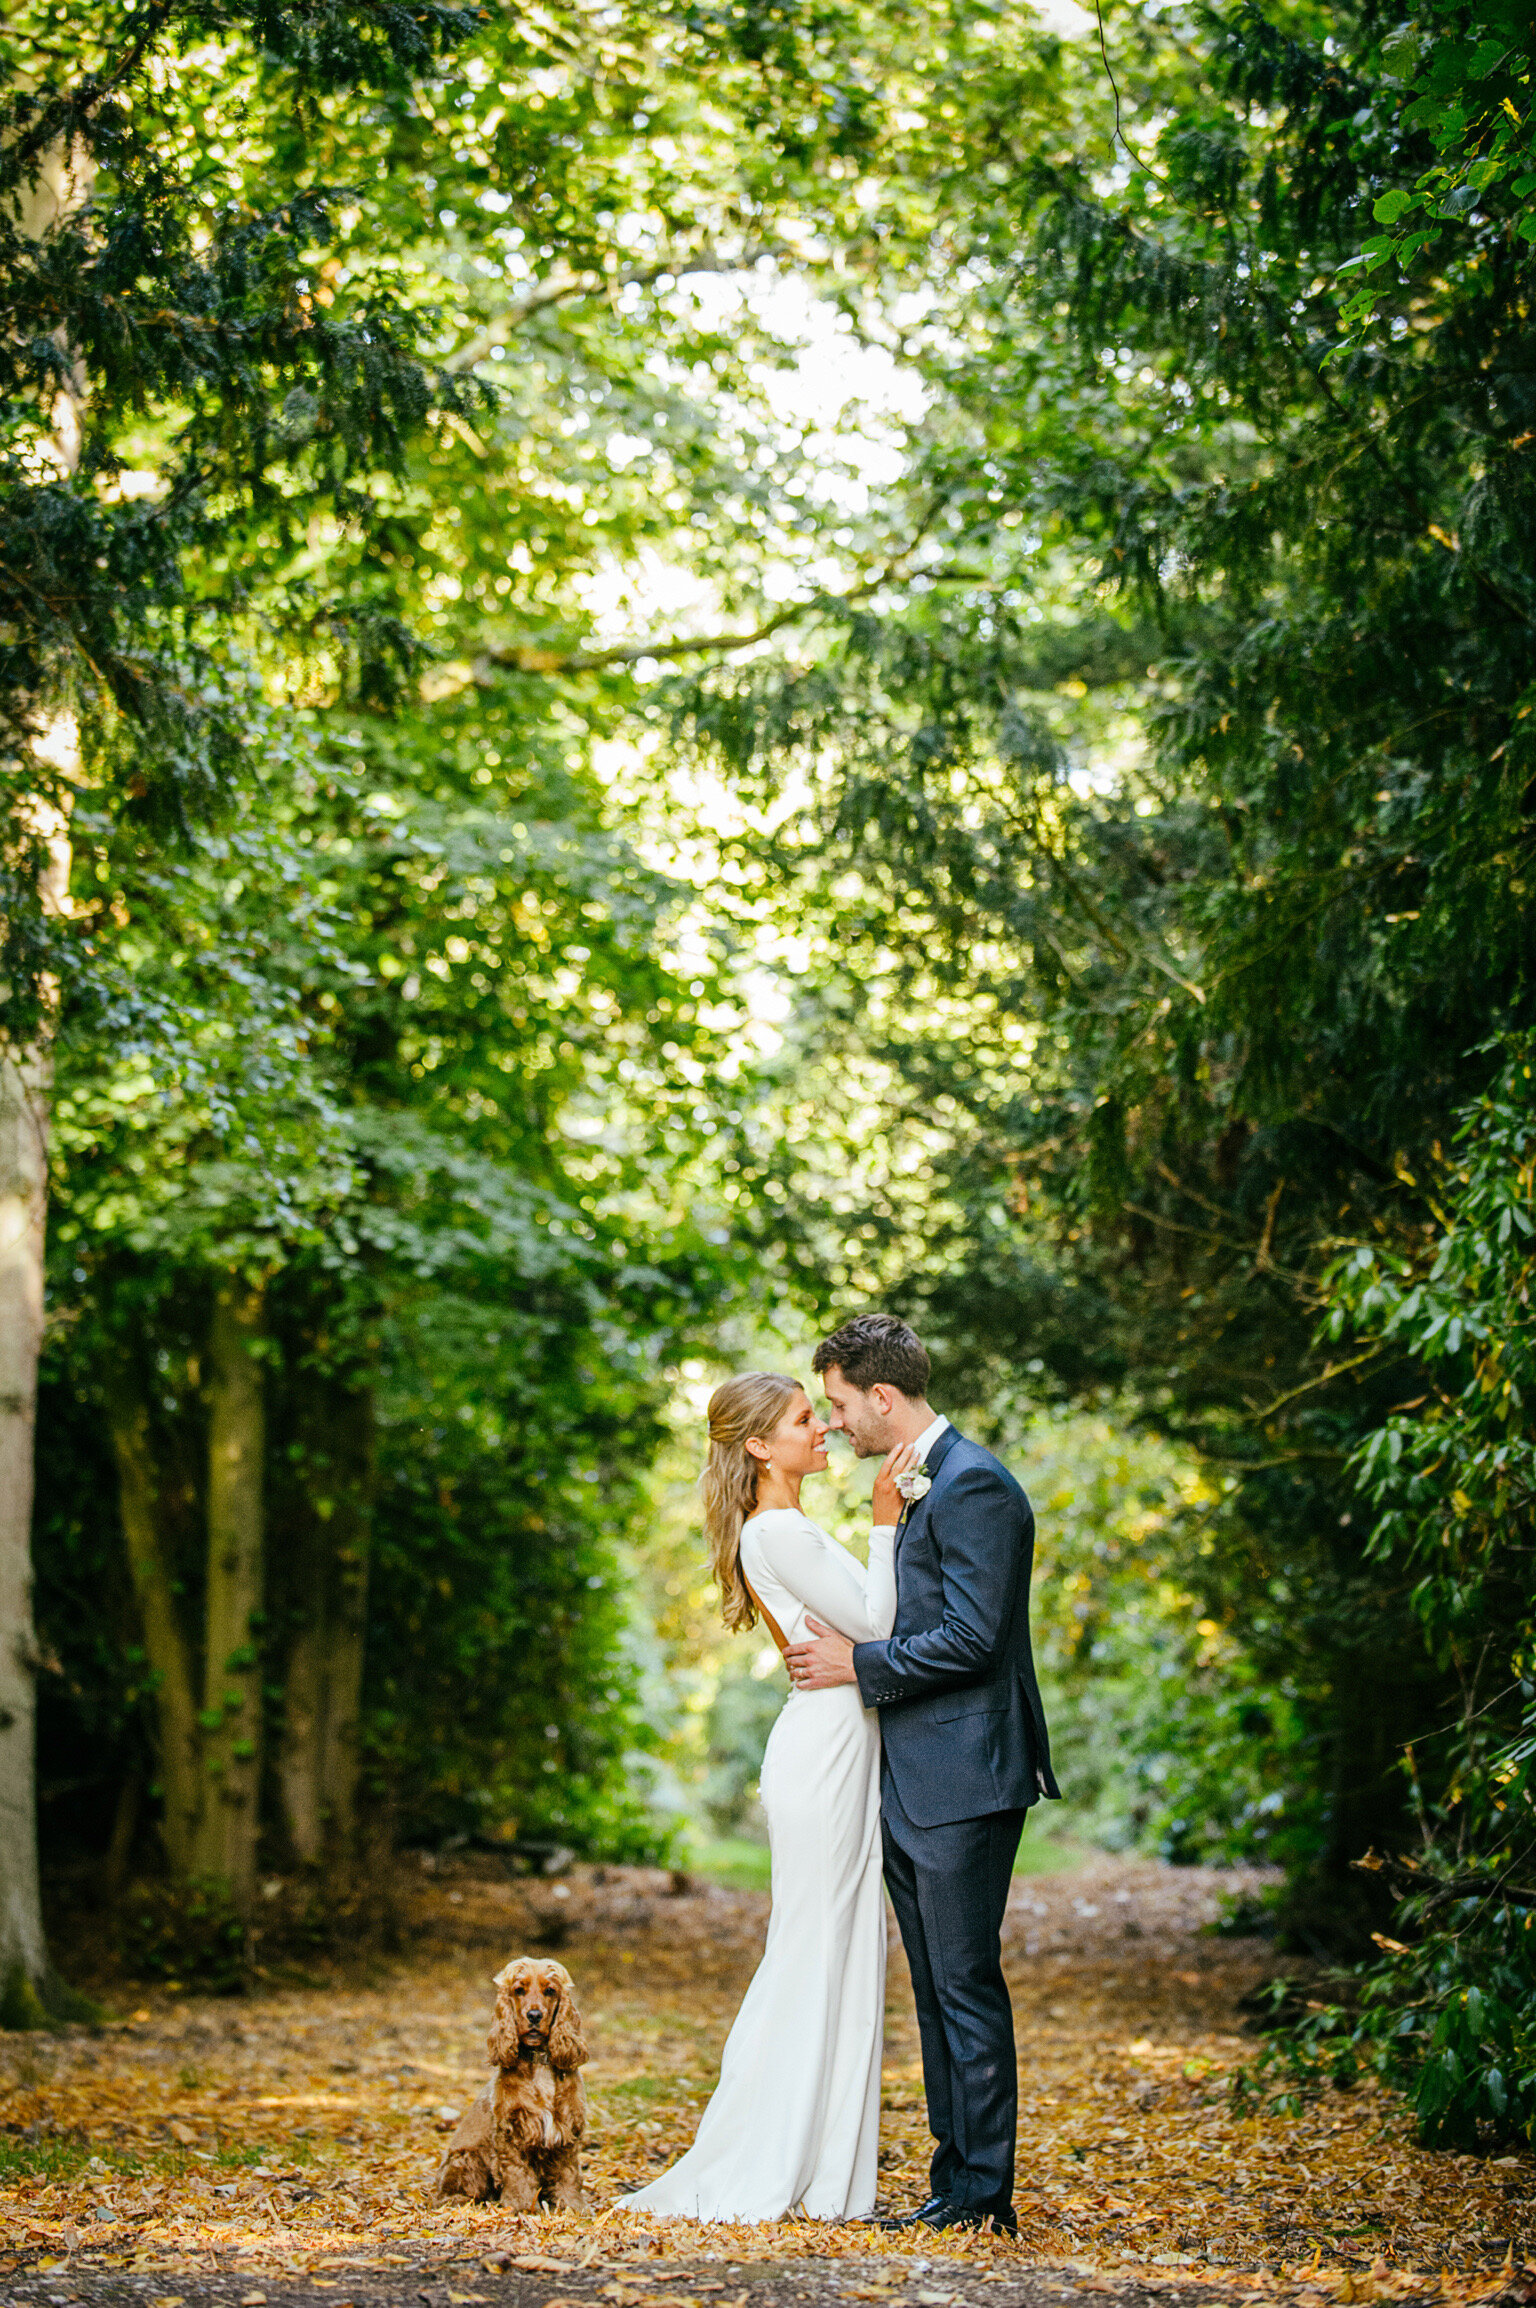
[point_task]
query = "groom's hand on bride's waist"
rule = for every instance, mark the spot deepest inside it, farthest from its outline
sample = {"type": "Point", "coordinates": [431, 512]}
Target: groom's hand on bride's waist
{"type": "Point", "coordinates": [821, 1660]}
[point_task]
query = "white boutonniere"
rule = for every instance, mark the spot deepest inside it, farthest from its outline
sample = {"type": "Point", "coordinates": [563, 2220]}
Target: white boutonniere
{"type": "Point", "coordinates": [915, 1484]}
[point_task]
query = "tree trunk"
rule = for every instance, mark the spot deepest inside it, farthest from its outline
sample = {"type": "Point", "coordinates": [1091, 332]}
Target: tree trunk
{"type": "Point", "coordinates": [164, 1642]}
{"type": "Point", "coordinates": [29, 1991]}
{"type": "Point", "coordinates": [25, 1082]}
{"type": "Point", "coordinates": [225, 1844]}
{"type": "Point", "coordinates": [23, 1201]}
{"type": "Point", "coordinates": [125, 1824]}
{"type": "Point", "coordinates": [318, 1768]}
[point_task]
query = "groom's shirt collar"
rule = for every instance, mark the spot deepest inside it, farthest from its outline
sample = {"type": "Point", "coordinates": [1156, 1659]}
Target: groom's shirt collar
{"type": "Point", "coordinates": [929, 1437]}
{"type": "Point", "coordinates": [925, 1443]}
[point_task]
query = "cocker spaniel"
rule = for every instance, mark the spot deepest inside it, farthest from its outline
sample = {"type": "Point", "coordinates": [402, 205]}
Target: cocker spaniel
{"type": "Point", "coordinates": [521, 2137]}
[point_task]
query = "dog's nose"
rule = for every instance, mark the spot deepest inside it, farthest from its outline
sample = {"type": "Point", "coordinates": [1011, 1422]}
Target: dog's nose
{"type": "Point", "coordinates": [535, 2013]}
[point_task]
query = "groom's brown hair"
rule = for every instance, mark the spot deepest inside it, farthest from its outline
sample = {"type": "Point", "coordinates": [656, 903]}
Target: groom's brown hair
{"type": "Point", "coordinates": [877, 1350]}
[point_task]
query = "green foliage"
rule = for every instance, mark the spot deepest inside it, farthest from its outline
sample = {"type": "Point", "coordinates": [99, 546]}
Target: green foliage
{"type": "Point", "coordinates": [733, 1860]}
{"type": "Point", "coordinates": [1461, 79]}
{"type": "Point", "coordinates": [1452, 2020]}
{"type": "Point", "coordinates": [1144, 781]}
{"type": "Point", "coordinates": [1163, 1732]}
{"type": "Point", "coordinates": [378, 1004]}
{"type": "Point", "coordinates": [1173, 822]}
{"type": "Point", "coordinates": [362, 992]}
{"type": "Point", "coordinates": [187, 1934]}
{"type": "Point", "coordinates": [745, 1708]}
{"type": "Point", "coordinates": [503, 1694]}
{"type": "Point", "coordinates": [156, 256]}
{"type": "Point", "coordinates": [1449, 2012]}
{"type": "Point", "coordinates": [384, 1141]}
{"type": "Point", "coordinates": [1453, 1479]}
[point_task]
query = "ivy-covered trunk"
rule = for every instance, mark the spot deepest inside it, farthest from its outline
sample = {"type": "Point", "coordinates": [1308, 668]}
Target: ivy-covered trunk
{"type": "Point", "coordinates": [229, 1820]}
{"type": "Point", "coordinates": [329, 1531]}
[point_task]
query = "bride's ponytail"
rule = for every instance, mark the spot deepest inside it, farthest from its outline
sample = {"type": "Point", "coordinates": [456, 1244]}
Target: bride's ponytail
{"type": "Point", "coordinates": [745, 1409]}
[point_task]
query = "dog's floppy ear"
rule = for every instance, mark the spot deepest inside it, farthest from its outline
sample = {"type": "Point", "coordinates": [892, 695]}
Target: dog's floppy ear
{"type": "Point", "coordinates": [502, 2046]}
{"type": "Point", "coordinates": [567, 2044]}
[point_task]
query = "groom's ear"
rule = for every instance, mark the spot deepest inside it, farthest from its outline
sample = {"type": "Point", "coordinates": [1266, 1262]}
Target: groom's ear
{"type": "Point", "coordinates": [882, 1396]}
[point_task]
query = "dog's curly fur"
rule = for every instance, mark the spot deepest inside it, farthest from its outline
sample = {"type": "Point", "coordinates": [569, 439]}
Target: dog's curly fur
{"type": "Point", "coordinates": [521, 2138]}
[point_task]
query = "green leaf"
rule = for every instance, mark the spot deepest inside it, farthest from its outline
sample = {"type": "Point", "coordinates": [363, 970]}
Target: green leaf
{"type": "Point", "coordinates": [1392, 205]}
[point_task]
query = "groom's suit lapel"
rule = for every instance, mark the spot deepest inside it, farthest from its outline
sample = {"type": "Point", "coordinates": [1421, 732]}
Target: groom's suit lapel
{"type": "Point", "coordinates": [918, 1510]}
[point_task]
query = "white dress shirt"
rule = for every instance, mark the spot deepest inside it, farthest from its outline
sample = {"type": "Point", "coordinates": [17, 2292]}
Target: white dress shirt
{"type": "Point", "coordinates": [925, 1443]}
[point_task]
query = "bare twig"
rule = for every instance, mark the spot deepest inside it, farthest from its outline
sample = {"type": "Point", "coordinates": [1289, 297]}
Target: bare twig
{"type": "Point", "coordinates": [1115, 86]}
{"type": "Point", "coordinates": [1270, 1209]}
{"type": "Point", "coordinates": [1324, 1377]}
{"type": "Point", "coordinates": [1205, 1234]}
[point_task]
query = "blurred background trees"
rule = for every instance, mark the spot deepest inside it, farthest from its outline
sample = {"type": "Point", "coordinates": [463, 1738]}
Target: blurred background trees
{"type": "Point", "coordinates": [714, 666]}
{"type": "Point", "coordinates": [1169, 835]}
{"type": "Point", "coordinates": [381, 1060]}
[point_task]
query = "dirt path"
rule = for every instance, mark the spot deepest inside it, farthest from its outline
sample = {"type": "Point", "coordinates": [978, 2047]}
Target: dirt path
{"type": "Point", "coordinates": [279, 2148]}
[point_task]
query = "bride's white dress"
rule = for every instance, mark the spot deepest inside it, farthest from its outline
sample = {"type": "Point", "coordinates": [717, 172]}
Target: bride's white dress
{"type": "Point", "coordinates": [794, 2121]}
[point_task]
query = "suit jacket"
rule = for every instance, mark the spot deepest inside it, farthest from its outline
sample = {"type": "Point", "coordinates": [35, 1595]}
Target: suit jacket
{"type": "Point", "coordinates": [960, 1710]}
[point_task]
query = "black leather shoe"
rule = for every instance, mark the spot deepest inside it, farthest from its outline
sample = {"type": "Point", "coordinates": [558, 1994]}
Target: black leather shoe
{"type": "Point", "coordinates": [966, 2216]}
{"type": "Point", "coordinates": [924, 2212]}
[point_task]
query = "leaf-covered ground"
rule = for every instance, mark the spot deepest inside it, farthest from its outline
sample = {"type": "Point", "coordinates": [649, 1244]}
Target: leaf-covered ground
{"type": "Point", "coordinates": [289, 2137]}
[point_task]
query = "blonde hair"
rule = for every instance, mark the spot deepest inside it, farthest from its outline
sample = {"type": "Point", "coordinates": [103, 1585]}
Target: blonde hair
{"type": "Point", "coordinates": [745, 1409]}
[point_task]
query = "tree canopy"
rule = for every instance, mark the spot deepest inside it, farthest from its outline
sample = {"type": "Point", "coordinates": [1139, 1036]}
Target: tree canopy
{"type": "Point", "coordinates": [1116, 739]}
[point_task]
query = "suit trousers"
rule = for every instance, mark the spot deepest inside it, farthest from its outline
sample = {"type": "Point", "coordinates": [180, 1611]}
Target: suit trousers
{"type": "Point", "coordinates": [949, 1887]}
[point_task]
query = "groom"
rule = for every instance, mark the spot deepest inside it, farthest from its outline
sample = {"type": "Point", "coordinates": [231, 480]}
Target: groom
{"type": "Point", "coordinates": [964, 1746]}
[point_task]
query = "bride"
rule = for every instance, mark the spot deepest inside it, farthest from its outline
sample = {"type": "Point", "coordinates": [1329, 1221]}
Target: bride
{"type": "Point", "coordinates": [794, 2120]}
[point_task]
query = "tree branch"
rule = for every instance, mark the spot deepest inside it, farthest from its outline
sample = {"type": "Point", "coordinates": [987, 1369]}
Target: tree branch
{"type": "Point", "coordinates": [565, 286]}
{"type": "Point", "coordinates": [526, 659]}
{"type": "Point", "coordinates": [1324, 1378]}
{"type": "Point", "coordinates": [67, 114]}
{"type": "Point", "coordinates": [1221, 1241]}
{"type": "Point", "coordinates": [1444, 1888]}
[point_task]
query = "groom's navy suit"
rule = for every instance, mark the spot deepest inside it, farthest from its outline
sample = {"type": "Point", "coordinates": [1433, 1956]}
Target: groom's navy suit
{"type": "Point", "coordinates": [965, 1755]}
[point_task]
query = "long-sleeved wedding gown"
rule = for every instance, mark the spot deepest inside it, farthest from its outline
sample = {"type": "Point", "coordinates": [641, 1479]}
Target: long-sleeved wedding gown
{"type": "Point", "coordinates": [794, 2120]}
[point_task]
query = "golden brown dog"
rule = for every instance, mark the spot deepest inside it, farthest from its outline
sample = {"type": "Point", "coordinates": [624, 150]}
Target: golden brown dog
{"type": "Point", "coordinates": [521, 2138]}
